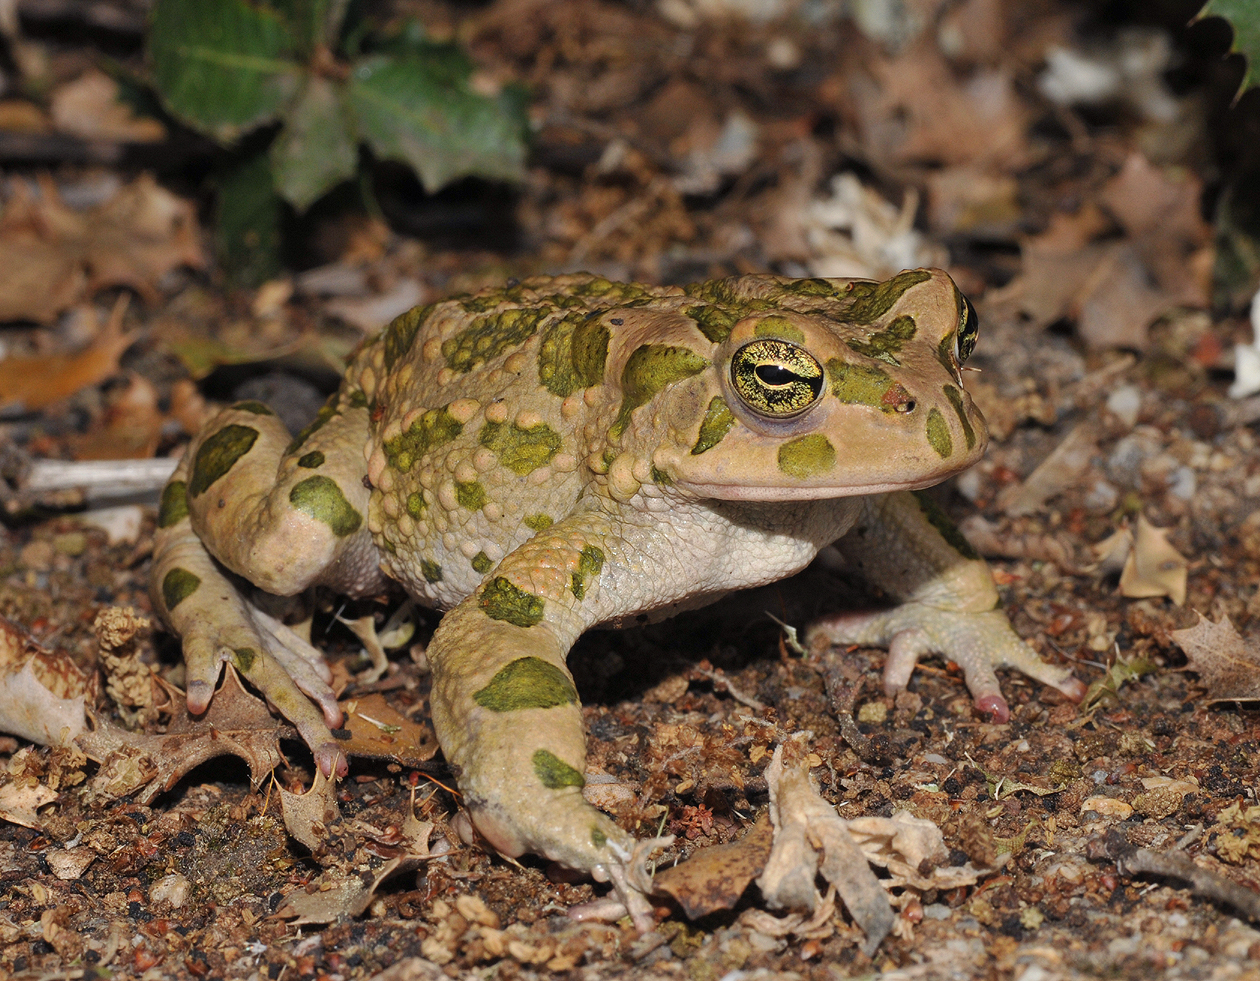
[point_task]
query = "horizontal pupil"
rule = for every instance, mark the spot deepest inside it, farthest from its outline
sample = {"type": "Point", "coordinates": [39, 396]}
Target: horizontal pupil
{"type": "Point", "coordinates": [774, 374]}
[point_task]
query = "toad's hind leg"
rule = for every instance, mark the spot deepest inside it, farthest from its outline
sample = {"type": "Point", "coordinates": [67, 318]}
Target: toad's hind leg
{"type": "Point", "coordinates": [507, 715]}
{"type": "Point", "coordinates": [284, 514]}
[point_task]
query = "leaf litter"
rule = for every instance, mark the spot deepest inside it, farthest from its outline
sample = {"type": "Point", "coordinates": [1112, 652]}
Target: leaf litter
{"type": "Point", "coordinates": [1082, 248]}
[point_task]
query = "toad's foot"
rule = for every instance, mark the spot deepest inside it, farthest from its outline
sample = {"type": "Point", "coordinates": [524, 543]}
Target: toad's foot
{"type": "Point", "coordinates": [976, 642]}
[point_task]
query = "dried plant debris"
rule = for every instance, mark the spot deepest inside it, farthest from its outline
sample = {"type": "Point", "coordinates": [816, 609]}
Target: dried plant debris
{"type": "Point", "coordinates": [120, 634]}
{"type": "Point", "coordinates": [1228, 665]}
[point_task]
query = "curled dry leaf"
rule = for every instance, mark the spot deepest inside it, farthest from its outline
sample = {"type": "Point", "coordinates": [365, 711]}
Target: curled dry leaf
{"type": "Point", "coordinates": [1154, 567]}
{"type": "Point", "coordinates": [810, 837]}
{"type": "Point", "coordinates": [120, 633]}
{"type": "Point", "coordinates": [42, 693]}
{"type": "Point", "coordinates": [1227, 664]}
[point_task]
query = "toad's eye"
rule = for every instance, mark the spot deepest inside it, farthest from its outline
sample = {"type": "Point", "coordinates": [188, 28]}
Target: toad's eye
{"type": "Point", "coordinates": [776, 379]}
{"type": "Point", "coordinates": [968, 329]}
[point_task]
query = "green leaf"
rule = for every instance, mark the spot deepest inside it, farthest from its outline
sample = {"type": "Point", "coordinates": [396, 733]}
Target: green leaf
{"type": "Point", "coordinates": [224, 66]}
{"type": "Point", "coordinates": [1244, 18]}
{"type": "Point", "coordinates": [247, 232]}
{"type": "Point", "coordinates": [317, 149]}
{"type": "Point", "coordinates": [410, 111]}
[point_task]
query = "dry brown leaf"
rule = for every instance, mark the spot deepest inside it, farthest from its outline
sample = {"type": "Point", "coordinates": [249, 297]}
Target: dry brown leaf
{"type": "Point", "coordinates": [1154, 567]}
{"type": "Point", "coordinates": [38, 381]}
{"type": "Point", "coordinates": [1227, 664]}
{"type": "Point", "coordinates": [89, 108]}
{"type": "Point", "coordinates": [714, 878]}
{"type": "Point", "coordinates": [380, 732]}
{"type": "Point", "coordinates": [925, 111]}
{"type": "Point", "coordinates": [308, 816]}
{"type": "Point", "coordinates": [236, 723]}
{"type": "Point", "coordinates": [54, 257]}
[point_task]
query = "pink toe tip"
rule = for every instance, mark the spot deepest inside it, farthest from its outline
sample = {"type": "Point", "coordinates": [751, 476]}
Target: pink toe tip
{"type": "Point", "coordinates": [1073, 688]}
{"type": "Point", "coordinates": [995, 707]}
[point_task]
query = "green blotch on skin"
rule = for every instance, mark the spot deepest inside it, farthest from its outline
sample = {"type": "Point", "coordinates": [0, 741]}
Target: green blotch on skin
{"type": "Point", "coordinates": [177, 586]}
{"type": "Point", "coordinates": [859, 384]}
{"type": "Point", "coordinates": [217, 455]}
{"type": "Point", "coordinates": [648, 370]}
{"type": "Point", "coordinates": [867, 302]}
{"type": "Point", "coordinates": [527, 683]}
{"type": "Point", "coordinates": [956, 400]}
{"type": "Point", "coordinates": [312, 460]}
{"type": "Point", "coordinates": [714, 322]}
{"type": "Point", "coordinates": [598, 838]}
{"type": "Point", "coordinates": [520, 450]}
{"type": "Point", "coordinates": [945, 353]}
{"type": "Point", "coordinates": [554, 773]}
{"type": "Point", "coordinates": [717, 422]}
{"type": "Point", "coordinates": [808, 456]}
{"type": "Point", "coordinates": [401, 333]}
{"type": "Point", "coordinates": [885, 344]}
{"type": "Point", "coordinates": [938, 434]}
{"type": "Point", "coordinates": [941, 521]}
{"type": "Point", "coordinates": [357, 399]}
{"type": "Point", "coordinates": [481, 563]}
{"type": "Point", "coordinates": [431, 429]}
{"type": "Point", "coordinates": [471, 496]}
{"type": "Point", "coordinates": [538, 522]}
{"type": "Point", "coordinates": [174, 506]}
{"type": "Point", "coordinates": [807, 287]}
{"type": "Point", "coordinates": [659, 476]}
{"type": "Point", "coordinates": [490, 336]}
{"type": "Point", "coordinates": [244, 657]}
{"type": "Point", "coordinates": [415, 504]}
{"type": "Point", "coordinates": [322, 417]}
{"type": "Point", "coordinates": [254, 407]}
{"type": "Point", "coordinates": [779, 328]}
{"type": "Point", "coordinates": [590, 563]}
{"type": "Point", "coordinates": [431, 571]}
{"type": "Point", "coordinates": [573, 353]}
{"type": "Point", "coordinates": [501, 600]}
{"type": "Point", "coordinates": [321, 498]}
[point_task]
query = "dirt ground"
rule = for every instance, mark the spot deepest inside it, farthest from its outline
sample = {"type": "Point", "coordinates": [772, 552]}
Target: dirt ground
{"type": "Point", "coordinates": [1119, 502]}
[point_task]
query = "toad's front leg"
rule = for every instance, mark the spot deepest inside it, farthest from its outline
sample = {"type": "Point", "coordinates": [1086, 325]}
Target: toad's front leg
{"type": "Point", "coordinates": [507, 715]}
{"type": "Point", "coordinates": [907, 546]}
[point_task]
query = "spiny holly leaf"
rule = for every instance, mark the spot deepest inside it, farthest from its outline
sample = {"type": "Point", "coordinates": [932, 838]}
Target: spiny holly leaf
{"type": "Point", "coordinates": [222, 67]}
{"type": "Point", "coordinates": [409, 110]}
{"type": "Point", "coordinates": [1244, 18]}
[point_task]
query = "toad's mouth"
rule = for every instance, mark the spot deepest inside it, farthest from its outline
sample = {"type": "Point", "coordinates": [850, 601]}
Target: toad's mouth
{"type": "Point", "coordinates": [751, 492]}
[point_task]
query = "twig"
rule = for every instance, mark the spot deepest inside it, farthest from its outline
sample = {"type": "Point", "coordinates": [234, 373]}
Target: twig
{"type": "Point", "coordinates": [1132, 861]}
